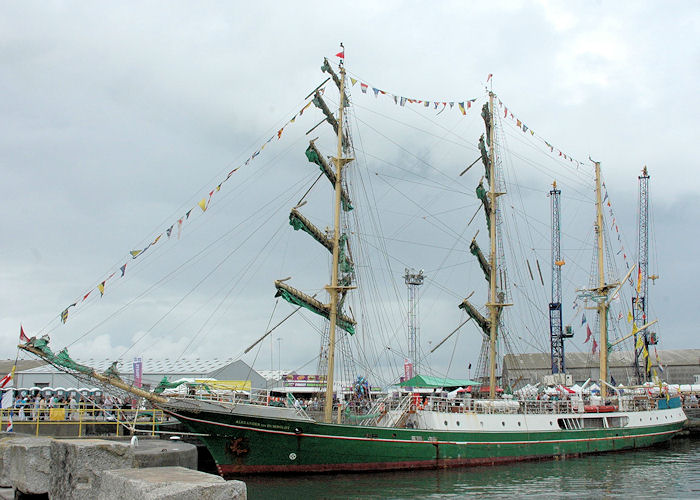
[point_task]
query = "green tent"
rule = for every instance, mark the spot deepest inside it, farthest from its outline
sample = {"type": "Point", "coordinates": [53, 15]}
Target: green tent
{"type": "Point", "coordinates": [428, 381]}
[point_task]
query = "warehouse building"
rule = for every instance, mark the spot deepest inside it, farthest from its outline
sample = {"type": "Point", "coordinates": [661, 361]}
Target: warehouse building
{"type": "Point", "coordinates": [678, 366]}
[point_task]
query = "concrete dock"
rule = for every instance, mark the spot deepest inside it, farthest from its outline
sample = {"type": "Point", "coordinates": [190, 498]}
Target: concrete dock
{"type": "Point", "coordinates": [98, 468]}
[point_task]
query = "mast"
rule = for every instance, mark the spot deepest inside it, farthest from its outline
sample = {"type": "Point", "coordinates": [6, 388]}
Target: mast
{"type": "Point", "coordinates": [602, 289]}
{"type": "Point", "coordinates": [339, 161]}
{"type": "Point", "coordinates": [639, 302]}
{"type": "Point", "coordinates": [488, 198]}
{"type": "Point", "coordinates": [493, 305]}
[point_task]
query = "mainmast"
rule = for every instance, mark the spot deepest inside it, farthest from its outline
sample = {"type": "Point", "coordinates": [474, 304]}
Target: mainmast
{"type": "Point", "coordinates": [602, 289]}
{"type": "Point", "coordinates": [489, 200]}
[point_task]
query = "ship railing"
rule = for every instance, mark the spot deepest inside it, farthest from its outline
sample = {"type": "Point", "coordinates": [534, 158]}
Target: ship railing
{"type": "Point", "coordinates": [258, 397]}
{"type": "Point", "coordinates": [471, 405]}
{"type": "Point", "coordinates": [388, 405]}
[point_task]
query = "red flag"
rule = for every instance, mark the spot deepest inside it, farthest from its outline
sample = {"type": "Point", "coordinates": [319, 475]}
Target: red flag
{"type": "Point", "coordinates": [6, 379]}
{"type": "Point", "coordinates": [595, 346]}
{"type": "Point", "coordinates": [341, 54]}
{"type": "Point", "coordinates": [588, 334]}
{"type": "Point", "coordinates": [22, 336]}
{"type": "Point", "coordinates": [489, 77]}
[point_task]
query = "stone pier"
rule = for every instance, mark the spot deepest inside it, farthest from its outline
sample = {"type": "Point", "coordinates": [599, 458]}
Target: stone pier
{"type": "Point", "coordinates": [77, 469]}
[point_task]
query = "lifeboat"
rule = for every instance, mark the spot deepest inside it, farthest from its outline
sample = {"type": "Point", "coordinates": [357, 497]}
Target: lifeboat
{"type": "Point", "coordinates": [599, 408]}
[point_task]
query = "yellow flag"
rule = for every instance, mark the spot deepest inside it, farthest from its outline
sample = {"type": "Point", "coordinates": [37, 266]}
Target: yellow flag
{"type": "Point", "coordinates": [203, 204]}
{"type": "Point", "coordinates": [101, 288]}
{"type": "Point", "coordinates": [640, 342]}
{"type": "Point", "coordinates": [634, 328]}
{"type": "Point", "coordinates": [645, 353]}
{"type": "Point", "coordinates": [629, 316]}
{"type": "Point", "coordinates": [353, 81]}
{"type": "Point", "coordinates": [648, 365]}
{"type": "Point", "coordinates": [656, 375]}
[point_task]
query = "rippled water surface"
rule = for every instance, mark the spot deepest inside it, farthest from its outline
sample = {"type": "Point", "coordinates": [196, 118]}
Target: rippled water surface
{"type": "Point", "coordinates": [671, 471]}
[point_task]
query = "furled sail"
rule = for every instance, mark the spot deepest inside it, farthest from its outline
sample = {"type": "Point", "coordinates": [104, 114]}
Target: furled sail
{"type": "Point", "coordinates": [330, 118]}
{"type": "Point", "coordinates": [298, 221]}
{"type": "Point", "coordinates": [483, 323]}
{"type": "Point", "coordinates": [485, 157]}
{"type": "Point", "coordinates": [326, 68]}
{"type": "Point", "coordinates": [486, 115]}
{"type": "Point", "coordinates": [294, 296]}
{"type": "Point", "coordinates": [476, 252]}
{"type": "Point", "coordinates": [314, 156]}
{"type": "Point", "coordinates": [481, 194]}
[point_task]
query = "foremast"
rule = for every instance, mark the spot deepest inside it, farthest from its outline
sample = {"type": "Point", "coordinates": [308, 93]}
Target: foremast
{"type": "Point", "coordinates": [336, 243]}
{"type": "Point", "coordinates": [334, 289]}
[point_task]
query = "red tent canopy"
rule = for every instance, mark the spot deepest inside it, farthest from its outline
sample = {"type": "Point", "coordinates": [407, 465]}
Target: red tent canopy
{"type": "Point", "coordinates": [482, 389]}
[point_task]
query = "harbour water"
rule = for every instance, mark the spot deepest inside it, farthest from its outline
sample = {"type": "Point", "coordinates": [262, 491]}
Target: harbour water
{"type": "Point", "coordinates": [670, 471]}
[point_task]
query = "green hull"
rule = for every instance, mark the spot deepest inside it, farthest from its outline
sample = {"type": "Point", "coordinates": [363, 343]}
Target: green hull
{"type": "Point", "coordinates": [246, 445]}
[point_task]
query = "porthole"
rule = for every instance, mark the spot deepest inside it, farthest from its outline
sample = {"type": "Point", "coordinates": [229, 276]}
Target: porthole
{"type": "Point", "coordinates": [551, 423]}
{"type": "Point", "coordinates": [457, 423]}
{"type": "Point", "coordinates": [518, 424]}
{"type": "Point", "coordinates": [503, 423]}
{"type": "Point", "coordinates": [445, 422]}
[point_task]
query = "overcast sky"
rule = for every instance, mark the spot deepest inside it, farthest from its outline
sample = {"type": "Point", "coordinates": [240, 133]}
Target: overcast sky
{"type": "Point", "coordinates": [119, 117]}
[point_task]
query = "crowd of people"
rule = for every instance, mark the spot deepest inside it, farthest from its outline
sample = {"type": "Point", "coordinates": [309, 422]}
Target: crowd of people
{"type": "Point", "coordinates": [39, 407]}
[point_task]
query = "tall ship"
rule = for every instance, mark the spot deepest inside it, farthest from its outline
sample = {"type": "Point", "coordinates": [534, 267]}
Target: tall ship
{"type": "Point", "coordinates": [254, 433]}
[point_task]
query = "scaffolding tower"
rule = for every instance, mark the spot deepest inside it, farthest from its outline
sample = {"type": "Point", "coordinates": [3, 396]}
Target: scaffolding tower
{"type": "Point", "coordinates": [639, 298]}
{"type": "Point", "coordinates": [413, 280]}
{"type": "Point", "coordinates": [556, 332]}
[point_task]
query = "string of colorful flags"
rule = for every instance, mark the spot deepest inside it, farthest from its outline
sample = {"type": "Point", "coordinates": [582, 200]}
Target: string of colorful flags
{"type": "Point", "coordinates": [463, 107]}
{"type": "Point", "coordinates": [177, 226]}
{"type": "Point", "coordinates": [508, 113]}
{"type": "Point", "coordinates": [613, 225]}
{"type": "Point", "coordinates": [399, 100]}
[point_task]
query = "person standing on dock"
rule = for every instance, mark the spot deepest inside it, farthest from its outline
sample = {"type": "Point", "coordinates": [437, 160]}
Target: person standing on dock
{"type": "Point", "coordinates": [35, 408]}
{"type": "Point", "coordinates": [73, 407]}
{"type": "Point", "coordinates": [42, 408]}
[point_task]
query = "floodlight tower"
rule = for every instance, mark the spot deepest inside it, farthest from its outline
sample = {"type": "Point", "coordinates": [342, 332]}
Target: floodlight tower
{"type": "Point", "coordinates": [639, 300]}
{"type": "Point", "coordinates": [556, 333]}
{"type": "Point", "coordinates": [413, 281]}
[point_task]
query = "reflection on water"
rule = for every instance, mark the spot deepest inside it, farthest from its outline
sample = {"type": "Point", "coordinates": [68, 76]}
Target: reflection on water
{"type": "Point", "coordinates": [671, 471]}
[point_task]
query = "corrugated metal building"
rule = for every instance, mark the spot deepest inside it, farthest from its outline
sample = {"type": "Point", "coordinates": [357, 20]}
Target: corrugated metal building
{"type": "Point", "coordinates": [153, 372]}
{"type": "Point", "coordinates": [22, 364]}
{"type": "Point", "coordinates": [680, 366]}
